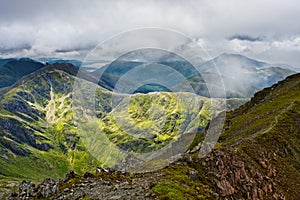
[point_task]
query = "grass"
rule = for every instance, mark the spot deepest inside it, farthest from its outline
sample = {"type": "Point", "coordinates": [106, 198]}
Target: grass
{"type": "Point", "coordinates": [178, 185]}
{"type": "Point", "coordinates": [150, 122]}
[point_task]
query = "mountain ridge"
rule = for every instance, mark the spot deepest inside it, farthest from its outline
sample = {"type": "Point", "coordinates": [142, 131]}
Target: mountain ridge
{"type": "Point", "coordinates": [242, 76]}
{"type": "Point", "coordinates": [15, 69]}
{"type": "Point", "coordinates": [259, 160]}
{"type": "Point", "coordinates": [37, 130]}
{"type": "Point", "coordinates": [36, 123]}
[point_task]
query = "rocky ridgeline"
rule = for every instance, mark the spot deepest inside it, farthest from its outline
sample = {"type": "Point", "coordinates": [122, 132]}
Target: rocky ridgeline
{"type": "Point", "coordinates": [104, 184]}
{"type": "Point", "coordinates": [228, 177]}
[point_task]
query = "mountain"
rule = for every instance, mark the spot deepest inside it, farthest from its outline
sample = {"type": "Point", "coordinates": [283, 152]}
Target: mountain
{"type": "Point", "coordinates": [242, 76]}
{"type": "Point", "coordinates": [50, 61]}
{"type": "Point", "coordinates": [141, 66]}
{"type": "Point", "coordinates": [3, 61]}
{"type": "Point", "coordinates": [34, 115]}
{"type": "Point", "coordinates": [264, 133]}
{"type": "Point", "coordinates": [39, 138]}
{"type": "Point", "coordinates": [256, 157]}
{"type": "Point", "coordinates": [13, 70]}
{"type": "Point", "coordinates": [286, 66]}
{"type": "Point", "coordinates": [44, 132]}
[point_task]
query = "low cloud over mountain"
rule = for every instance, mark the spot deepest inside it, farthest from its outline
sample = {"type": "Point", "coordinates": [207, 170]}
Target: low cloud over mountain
{"type": "Point", "coordinates": [39, 29]}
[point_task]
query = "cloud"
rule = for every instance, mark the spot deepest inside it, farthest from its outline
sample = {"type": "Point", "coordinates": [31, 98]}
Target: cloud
{"type": "Point", "coordinates": [17, 48]}
{"type": "Point", "coordinates": [51, 27]}
{"type": "Point", "coordinates": [289, 44]}
{"type": "Point", "coordinates": [245, 38]}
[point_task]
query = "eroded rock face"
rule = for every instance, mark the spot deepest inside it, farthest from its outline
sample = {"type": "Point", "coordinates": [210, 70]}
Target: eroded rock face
{"type": "Point", "coordinates": [237, 177]}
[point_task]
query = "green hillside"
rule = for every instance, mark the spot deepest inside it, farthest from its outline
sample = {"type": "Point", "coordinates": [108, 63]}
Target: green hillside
{"type": "Point", "coordinates": [38, 137]}
{"type": "Point", "coordinates": [256, 157]}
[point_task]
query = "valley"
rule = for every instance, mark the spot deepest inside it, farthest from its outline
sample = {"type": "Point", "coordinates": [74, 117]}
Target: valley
{"type": "Point", "coordinates": [257, 157]}
{"type": "Point", "coordinates": [40, 137]}
{"type": "Point", "coordinates": [149, 100]}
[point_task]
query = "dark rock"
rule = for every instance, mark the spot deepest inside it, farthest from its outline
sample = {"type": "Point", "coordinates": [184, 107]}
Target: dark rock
{"type": "Point", "coordinates": [69, 176]}
{"type": "Point", "coordinates": [28, 190]}
{"type": "Point", "coordinates": [44, 146]}
{"type": "Point", "coordinates": [14, 147]}
{"type": "Point", "coordinates": [88, 175]}
{"type": "Point", "coordinates": [26, 96]}
{"type": "Point", "coordinates": [193, 175]}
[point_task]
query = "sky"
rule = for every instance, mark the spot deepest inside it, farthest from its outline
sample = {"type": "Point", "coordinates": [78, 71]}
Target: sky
{"type": "Point", "coordinates": [267, 30]}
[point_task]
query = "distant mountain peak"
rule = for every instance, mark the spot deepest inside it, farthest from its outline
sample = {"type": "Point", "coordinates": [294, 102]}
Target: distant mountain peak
{"type": "Point", "coordinates": [15, 69]}
{"type": "Point", "coordinates": [236, 56]}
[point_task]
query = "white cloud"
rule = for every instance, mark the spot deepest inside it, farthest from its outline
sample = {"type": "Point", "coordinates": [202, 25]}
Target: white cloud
{"type": "Point", "coordinates": [74, 25]}
{"type": "Point", "coordinates": [289, 44]}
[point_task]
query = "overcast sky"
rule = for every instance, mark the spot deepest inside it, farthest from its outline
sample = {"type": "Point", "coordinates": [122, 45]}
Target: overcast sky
{"type": "Point", "coordinates": [268, 30]}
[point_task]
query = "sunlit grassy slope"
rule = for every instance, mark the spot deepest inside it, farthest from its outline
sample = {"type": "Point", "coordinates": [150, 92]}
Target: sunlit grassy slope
{"type": "Point", "coordinates": [39, 137]}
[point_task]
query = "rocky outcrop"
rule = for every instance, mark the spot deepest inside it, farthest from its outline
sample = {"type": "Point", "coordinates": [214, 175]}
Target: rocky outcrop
{"type": "Point", "coordinates": [239, 177]}
{"type": "Point", "coordinates": [28, 190]}
{"type": "Point", "coordinates": [228, 176]}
